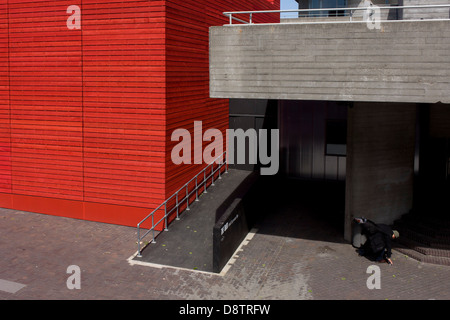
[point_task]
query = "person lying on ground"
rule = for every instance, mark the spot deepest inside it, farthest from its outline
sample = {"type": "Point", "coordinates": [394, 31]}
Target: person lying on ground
{"type": "Point", "coordinates": [379, 240]}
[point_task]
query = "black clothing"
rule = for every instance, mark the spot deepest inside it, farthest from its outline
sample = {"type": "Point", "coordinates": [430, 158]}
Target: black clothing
{"type": "Point", "coordinates": [379, 237]}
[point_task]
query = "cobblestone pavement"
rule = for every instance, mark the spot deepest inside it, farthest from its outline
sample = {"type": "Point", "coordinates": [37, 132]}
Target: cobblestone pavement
{"type": "Point", "coordinates": [290, 256]}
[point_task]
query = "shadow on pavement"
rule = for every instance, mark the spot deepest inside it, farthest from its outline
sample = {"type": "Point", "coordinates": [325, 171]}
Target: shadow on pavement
{"type": "Point", "coordinates": [299, 209]}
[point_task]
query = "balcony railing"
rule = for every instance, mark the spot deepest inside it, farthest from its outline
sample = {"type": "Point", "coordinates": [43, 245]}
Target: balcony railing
{"type": "Point", "coordinates": [247, 17]}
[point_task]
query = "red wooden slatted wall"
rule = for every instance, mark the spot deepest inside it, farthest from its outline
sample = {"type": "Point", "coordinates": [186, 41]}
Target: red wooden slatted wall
{"type": "Point", "coordinates": [5, 145]}
{"type": "Point", "coordinates": [86, 115]}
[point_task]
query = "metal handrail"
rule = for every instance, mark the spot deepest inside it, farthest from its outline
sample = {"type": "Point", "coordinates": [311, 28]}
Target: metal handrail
{"type": "Point", "coordinates": [231, 18]}
{"type": "Point", "coordinates": [185, 199]}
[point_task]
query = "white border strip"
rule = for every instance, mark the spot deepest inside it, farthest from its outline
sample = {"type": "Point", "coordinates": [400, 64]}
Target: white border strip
{"type": "Point", "coordinates": [10, 287]}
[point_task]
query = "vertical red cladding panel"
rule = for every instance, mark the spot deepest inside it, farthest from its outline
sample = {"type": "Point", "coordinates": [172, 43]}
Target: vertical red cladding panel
{"type": "Point", "coordinates": [45, 100]}
{"type": "Point", "coordinates": [124, 106]}
{"type": "Point", "coordinates": [188, 99]}
{"type": "Point", "coordinates": [5, 145]}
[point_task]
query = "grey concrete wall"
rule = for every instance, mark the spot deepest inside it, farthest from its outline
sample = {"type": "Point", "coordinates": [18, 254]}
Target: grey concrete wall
{"type": "Point", "coordinates": [404, 61]}
{"type": "Point", "coordinates": [432, 13]}
{"type": "Point", "coordinates": [380, 162]}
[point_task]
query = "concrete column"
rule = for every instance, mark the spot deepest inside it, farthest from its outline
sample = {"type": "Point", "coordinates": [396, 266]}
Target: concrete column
{"type": "Point", "coordinates": [380, 162]}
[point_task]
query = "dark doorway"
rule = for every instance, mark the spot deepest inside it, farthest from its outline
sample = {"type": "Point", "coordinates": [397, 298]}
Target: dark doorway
{"type": "Point", "coordinates": [433, 176]}
{"type": "Point", "coordinates": [255, 115]}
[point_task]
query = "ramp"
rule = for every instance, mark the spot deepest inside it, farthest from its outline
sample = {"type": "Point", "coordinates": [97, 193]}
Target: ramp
{"type": "Point", "coordinates": [189, 242]}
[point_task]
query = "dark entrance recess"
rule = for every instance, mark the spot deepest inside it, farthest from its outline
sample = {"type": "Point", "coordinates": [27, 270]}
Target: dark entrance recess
{"type": "Point", "coordinates": [424, 230]}
{"type": "Point", "coordinates": [311, 177]}
{"type": "Point", "coordinates": [432, 184]}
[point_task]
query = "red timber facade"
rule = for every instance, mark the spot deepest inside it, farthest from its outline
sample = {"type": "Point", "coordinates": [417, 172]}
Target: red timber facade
{"type": "Point", "coordinates": [86, 115]}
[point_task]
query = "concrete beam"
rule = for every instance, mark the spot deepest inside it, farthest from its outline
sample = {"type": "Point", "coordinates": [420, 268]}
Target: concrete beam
{"type": "Point", "coordinates": [404, 61]}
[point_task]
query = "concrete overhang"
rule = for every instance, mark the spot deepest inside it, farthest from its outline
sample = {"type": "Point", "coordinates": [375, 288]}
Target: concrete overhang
{"type": "Point", "coordinates": [402, 61]}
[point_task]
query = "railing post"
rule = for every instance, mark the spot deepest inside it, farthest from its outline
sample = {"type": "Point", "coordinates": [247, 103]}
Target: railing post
{"type": "Point", "coordinates": [139, 242]}
{"type": "Point", "coordinates": [212, 174]}
{"type": "Point", "coordinates": [226, 162]}
{"type": "Point", "coordinates": [196, 188]}
{"type": "Point", "coordinates": [153, 230]}
{"type": "Point", "coordinates": [187, 198]}
{"type": "Point", "coordinates": [231, 18]}
{"type": "Point", "coordinates": [165, 217]}
{"type": "Point", "coordinates": [204, 181]}
{"type": "Point", "coordinates": [176, 197]}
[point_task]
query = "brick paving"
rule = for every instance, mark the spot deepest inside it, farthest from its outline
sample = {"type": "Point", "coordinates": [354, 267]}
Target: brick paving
{"type": "Point", "coordinates": [292, 256]}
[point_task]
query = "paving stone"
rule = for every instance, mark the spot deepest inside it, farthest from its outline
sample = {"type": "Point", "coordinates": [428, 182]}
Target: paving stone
{"type": "Point", "coordinates": [294, 255]}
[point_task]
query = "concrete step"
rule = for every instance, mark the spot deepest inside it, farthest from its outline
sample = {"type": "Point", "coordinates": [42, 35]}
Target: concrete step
{"type": "Point", "coordinates": [411, 253]}
{"type": "Point", "coordinates": [409, 233]}
{"type": "Point", "coordinates": [424, 249]}
{"type": "Point", "coordinates": [424, 237]}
